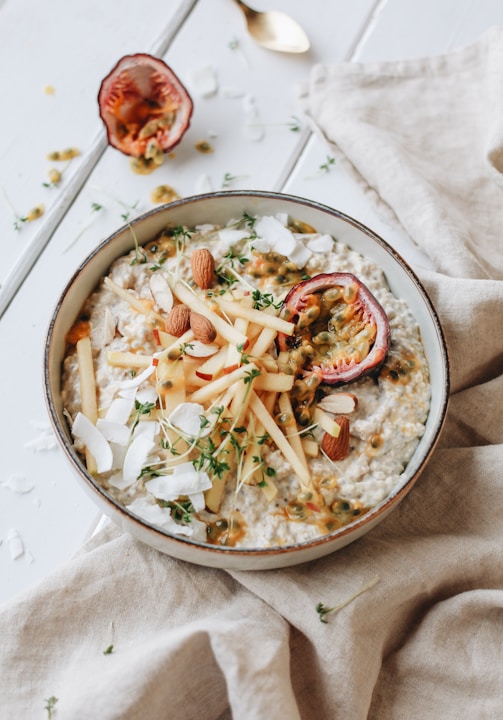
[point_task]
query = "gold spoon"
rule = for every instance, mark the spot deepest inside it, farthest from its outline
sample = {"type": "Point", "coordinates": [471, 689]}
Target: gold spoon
{"type": "Point", "coordinates": [275, 30]}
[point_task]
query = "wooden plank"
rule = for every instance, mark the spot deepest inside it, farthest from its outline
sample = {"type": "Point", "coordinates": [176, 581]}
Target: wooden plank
{"type": "Point", "coordinates": [39, 122]}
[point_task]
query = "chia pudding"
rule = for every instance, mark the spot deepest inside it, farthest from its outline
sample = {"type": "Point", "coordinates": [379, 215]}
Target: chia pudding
{"type": "Point", "coordinates": [247, 418]}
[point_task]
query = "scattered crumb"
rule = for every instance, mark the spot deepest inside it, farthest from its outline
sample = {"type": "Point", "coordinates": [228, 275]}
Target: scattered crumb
{"type": "Point", "coordinates": [203, 146]}
{"type": "Point", "coordinates": [49, 89]}
{"type": "Point", "coordinates": [252, 128]}
{"type": "Point", "coordinates": [232, 93]}
{"type": "Point", "coordinates": [61, 155]}
{"type": "Point", "coordinates": [18, 484]}
{"type": "Point", "coordinates": [46, 440]}
{"type": "Point", "coordinates": [35, 213]}
{"type": "Point", "coordinates": [15, 543]}
{"type": "Point", "coordinates": [204, 80]}
{"type": "Point", "coordinates": [164, 194]}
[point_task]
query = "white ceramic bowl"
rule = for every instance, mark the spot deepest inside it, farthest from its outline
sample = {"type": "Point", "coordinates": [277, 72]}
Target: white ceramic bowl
{"type": "Point", "coordinates": [219, 208]}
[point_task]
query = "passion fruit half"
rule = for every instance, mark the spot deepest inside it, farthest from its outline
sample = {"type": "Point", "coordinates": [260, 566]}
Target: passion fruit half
{"type": "Point", "coordinates": [341, 330]}
{"type": "Point", "coordinates": [145, 107]}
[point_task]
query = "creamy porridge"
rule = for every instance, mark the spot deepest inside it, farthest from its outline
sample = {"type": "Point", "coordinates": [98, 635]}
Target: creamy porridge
{"type": "Point", "coordinates": [254, 385]}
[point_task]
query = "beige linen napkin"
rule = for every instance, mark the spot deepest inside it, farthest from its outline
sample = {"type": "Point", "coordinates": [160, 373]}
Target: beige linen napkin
{"type": "Point", "coordinates": [425, 641]}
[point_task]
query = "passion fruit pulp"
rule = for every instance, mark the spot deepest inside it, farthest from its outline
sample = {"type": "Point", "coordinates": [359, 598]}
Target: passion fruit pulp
{"type": "Point", "coordinates": [341, 330]}
{"type": "Point", "coordinates": [145, 107]}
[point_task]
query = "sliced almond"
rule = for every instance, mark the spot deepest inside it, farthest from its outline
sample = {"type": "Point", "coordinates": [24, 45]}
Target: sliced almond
{"type": "Point", "coordinates": [202, 327]}
{"type": "Point", "coordinates": [202, 264]}
{"type": "Point", "coordinates": [198, 349]}
{"type": "Point", "coordinates": [161, 292]}
{"type": "Point", "coordinates": [339, 403]}
{"type": "Point", "coordinates": [337, 448]}
{"type": "Point", "coordinates": [178, 320]}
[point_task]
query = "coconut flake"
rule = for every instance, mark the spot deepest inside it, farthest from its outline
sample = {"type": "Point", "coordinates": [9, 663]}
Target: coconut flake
{"type": "Point", "coordinates": [114, 432]}
{"type": "Point", "coordinates": [147, 395]}
{"type": "Point", "coordinates": [108, 327]}
{"type": "Point", "coordinates": [321, 244]}
{"type": "Point", "coordinates": [285, 246]}
{"type": "Point", "coordinates": [136, 457]}
{"type": "Point", "coordinates": [119, 453]}
{"type": "Point", "coordinates": [187, 418]}
{"type": "Point", "coordinates": [15, 544]}
{"type": "Point", "coordinates": [120, 409]}
{"type": "Point", "coordinates": [204, 80]}
{"type": "Point", "coordinates": [18, 484]}
{"type": "Point", "coordinates": [149, 428]}
{"type": "Point", "coordinates": [155, 515]}
{"type": "Point", "coordinates": [185, 480]}
{"type": "Point", "coordinates": [230, 236]}
{"type": "Point", "coordinates": [84, 430]}
{"type": "Point", "coordinates": [138, 379]}
{"type": "Point", "coordinates": [198, 501]}
{"type": "Point", "coordinates": [274, 232]}
{"type": "Point", "coordinates": [261, 245]}
{"type": "Point", "coordinates": [300, 255]}
{"type": "Point", "coordinates": [161, 292]}
{"type": "Point", "coordinates": [117, 479]}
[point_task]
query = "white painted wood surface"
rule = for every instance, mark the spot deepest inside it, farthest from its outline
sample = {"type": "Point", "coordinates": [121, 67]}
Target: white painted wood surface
{"type": "Point", "coordinates": [71, 46]}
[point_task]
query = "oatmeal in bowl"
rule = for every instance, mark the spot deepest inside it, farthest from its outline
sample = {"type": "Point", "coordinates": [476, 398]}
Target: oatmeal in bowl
{"type": "Point", "coordinates": [246, 380]}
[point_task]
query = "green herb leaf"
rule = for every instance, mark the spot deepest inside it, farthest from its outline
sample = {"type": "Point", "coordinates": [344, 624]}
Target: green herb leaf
{"type": "Point", "coordinates": [327, 165]}
{"type": "Point", "coordinates": [264, 300]}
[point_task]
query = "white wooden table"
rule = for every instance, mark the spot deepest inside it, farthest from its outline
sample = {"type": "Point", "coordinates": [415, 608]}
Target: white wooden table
{"type": "Point", "coordinates": [53, 56]}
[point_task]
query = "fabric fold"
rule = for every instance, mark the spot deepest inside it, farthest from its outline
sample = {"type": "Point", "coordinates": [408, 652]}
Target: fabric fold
{"type": "Point", "coordinates": [427, 137]}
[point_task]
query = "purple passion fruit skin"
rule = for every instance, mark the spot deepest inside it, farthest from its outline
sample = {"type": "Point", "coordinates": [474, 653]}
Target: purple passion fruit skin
{"type": "Point", "coordinates": [341, 330]}
{"type": "Point", "coordinates": [144, 106]}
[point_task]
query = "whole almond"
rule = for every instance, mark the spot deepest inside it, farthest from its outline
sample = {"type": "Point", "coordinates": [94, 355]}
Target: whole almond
{"type": "Point", "coordinates": [202, 264]}
{"type": "Point", "coordinates": [337, 448]}
{"type": "Point", "coordinates": [178, 320]}
{"type": "Point", "coordinates": [202, 328]}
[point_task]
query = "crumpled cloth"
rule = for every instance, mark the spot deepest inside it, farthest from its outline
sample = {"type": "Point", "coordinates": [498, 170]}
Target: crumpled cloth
{"type": "Point", "coordinates": [426, 139]}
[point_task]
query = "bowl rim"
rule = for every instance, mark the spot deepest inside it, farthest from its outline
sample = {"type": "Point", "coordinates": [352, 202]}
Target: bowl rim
{"type": "Point", "coordinates": [368, 518]}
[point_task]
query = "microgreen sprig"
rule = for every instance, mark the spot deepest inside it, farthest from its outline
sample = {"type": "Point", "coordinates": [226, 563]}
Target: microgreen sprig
{"type": "Point", "coordinates": [95, 208]}
{"type": "Point", "coordinates": [264, 300]}
{"type": "Point", "coordinates": [50, 703]}
{"type": "Point", "coordinates": [327, 165]}
{"type": "Point", "coordinates": [140, 409]}
{"type": "Point", "coordinates": [323, 610]}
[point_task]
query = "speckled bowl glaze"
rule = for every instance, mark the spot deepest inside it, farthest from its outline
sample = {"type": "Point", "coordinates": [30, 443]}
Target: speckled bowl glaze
{"type": "Point", "coordinates": [219, 208]}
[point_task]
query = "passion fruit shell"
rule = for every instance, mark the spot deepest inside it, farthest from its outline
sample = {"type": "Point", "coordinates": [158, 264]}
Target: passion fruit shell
{"type": "Point", "coordinates": [144, 105]}
{"type": "Point", "coordinates": [341, 323]}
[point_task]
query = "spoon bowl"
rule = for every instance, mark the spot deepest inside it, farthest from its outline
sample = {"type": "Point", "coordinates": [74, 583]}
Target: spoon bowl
{"type": "Point", "coordinates": [275, 30]}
